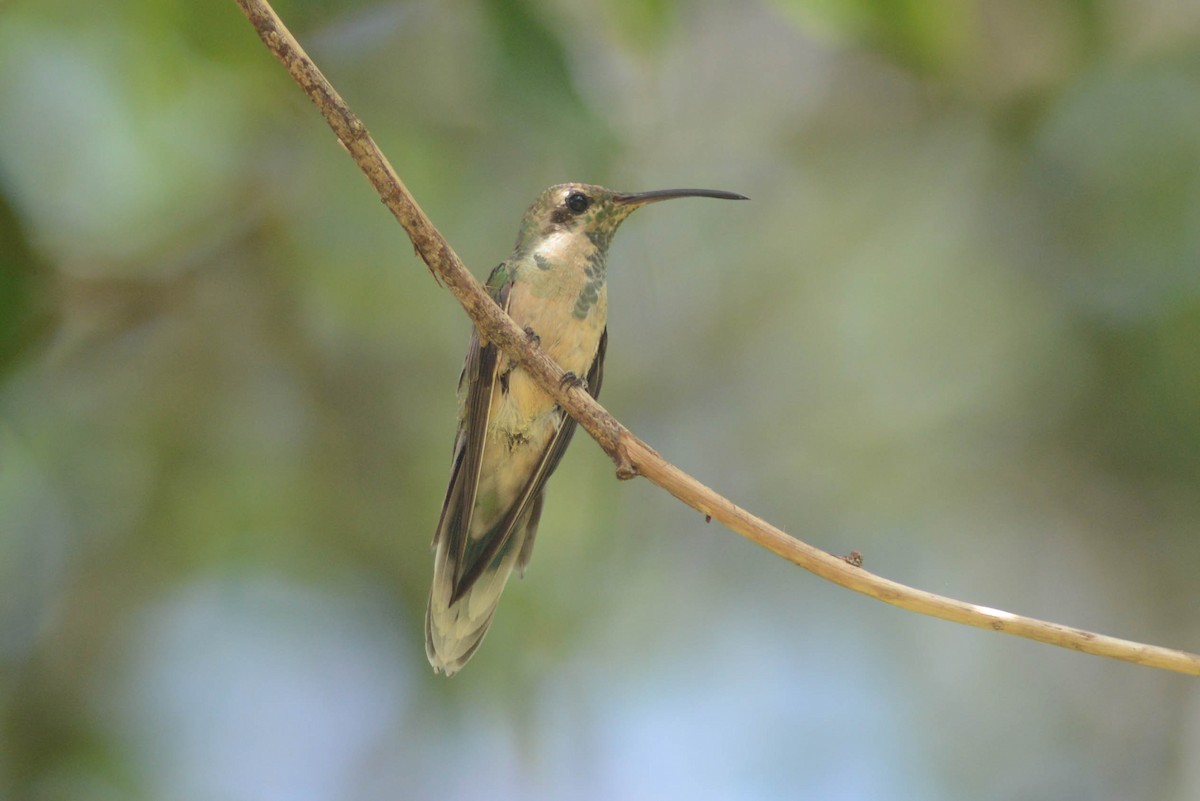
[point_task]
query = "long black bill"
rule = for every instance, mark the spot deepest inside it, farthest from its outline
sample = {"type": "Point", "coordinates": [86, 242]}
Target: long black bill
{"type": "Point", "coordinates": [640, 198]}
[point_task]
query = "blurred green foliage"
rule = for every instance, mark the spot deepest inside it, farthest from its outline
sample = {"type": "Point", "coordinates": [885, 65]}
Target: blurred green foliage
{"type": "Point", "coordinates": [19, 293]}
{"type": "Point", "coordinates": [957, 329]}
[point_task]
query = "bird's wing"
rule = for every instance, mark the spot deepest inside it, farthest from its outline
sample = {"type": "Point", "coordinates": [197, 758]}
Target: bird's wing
{"type": "Point", "coordinates": [477, 555]}
{"type": "Point", "coordinates": [475, 386]}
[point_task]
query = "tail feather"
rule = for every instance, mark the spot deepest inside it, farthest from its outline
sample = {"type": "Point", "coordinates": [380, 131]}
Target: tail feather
{"type": "Point", "coordinates": [453, 631]}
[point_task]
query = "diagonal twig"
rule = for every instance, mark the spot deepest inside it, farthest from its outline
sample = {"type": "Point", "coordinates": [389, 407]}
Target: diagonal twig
{"type": "Point", "coordinates": [631, 455]}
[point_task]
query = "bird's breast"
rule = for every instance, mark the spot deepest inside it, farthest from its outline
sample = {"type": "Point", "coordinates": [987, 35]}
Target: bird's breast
{"type": "Point", "coordinates": [566, 306]}
{"type": "Point", "coordinates": [567, 311]}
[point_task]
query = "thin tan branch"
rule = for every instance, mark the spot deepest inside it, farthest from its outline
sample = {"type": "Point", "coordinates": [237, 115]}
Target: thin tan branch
{"type": "Point", "coordinates": [631, 455]}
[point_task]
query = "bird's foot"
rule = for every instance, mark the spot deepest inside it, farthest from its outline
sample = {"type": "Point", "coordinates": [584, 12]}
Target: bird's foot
{"type": "Point", "coordinates": [569, 379]}
{"type": "Point", "coordinates": [533, 337]}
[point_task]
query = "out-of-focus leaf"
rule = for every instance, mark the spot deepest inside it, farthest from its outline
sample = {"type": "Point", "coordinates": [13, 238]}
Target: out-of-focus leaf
{"type": "Point", "coordinates": [930, 36]}
{"type": "Point", "coordinates": [1118, 164]}
{"type": "Point", "coordinates": [644, 23]}
{"type": "Point", "coordinates": [532, 59]}
{"type": "Point", "coordinates": [129, 155]}
{"type": "Point", "coordinates": [22, 284]}
{"type": "Point", "coordinates": [534, 81]}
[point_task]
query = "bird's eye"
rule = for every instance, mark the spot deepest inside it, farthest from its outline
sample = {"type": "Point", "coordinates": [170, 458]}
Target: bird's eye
{"type": "Point", "coordinates": [578, 202]}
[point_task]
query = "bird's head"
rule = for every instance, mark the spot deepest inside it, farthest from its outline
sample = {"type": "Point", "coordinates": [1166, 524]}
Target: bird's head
{"type": "Point", "coordinates": [592, 211]}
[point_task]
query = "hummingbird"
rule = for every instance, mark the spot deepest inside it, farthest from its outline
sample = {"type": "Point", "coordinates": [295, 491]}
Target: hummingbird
{"type": "Point", "coordinates": [511, 434]}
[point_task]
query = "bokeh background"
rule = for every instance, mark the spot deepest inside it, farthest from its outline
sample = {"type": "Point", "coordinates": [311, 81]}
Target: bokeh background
{"type": "Point", "coordinates": [957, 329]}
